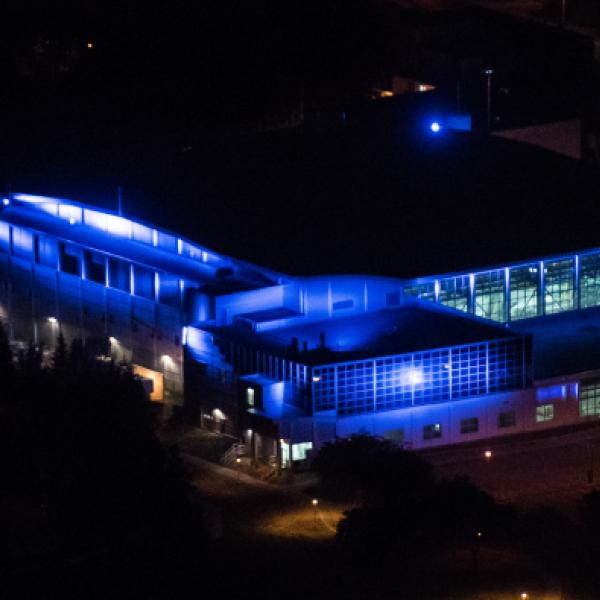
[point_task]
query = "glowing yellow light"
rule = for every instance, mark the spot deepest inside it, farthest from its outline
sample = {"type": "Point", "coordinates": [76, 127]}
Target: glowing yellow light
{"type": "Point", "coordinates": [90, 45]}
{"type": "Point", "coordinates": [488, 454]}
{"type": "Point", "coordinates": [315, 502]}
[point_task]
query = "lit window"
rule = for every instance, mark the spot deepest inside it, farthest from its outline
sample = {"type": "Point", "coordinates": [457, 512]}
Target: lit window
{"type": "Point", "coordinates": [589, 280]}
{"type": "Point", "coordinates": [432, 432]}
{"type": "Point", "coordinates": [543, 413]}
{"type": "Point", "coordinates": [250, 397]}
{"type": "Point", "coordinates": [559, 286]}
{"type": "Point", "coordinates": [524, 292]}
{"type": "Point", "coordinates": [300, 451]}
{"type": "Point", "coordinates": [490, 295]}
{"type": "Point", "coordinates": [589, 399]}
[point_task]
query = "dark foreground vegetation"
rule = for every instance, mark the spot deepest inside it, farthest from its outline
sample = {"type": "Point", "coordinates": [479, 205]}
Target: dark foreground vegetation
{"type": "Point", "coordinates": [85, 481]}
{"type": "Point", "coordinates": [404, 516]}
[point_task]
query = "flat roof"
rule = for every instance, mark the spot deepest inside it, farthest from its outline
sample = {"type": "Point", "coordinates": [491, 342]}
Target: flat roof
{"type": "Point", "coordinates": [565, 343]}
{"type": "Point", "coordinates": [382, 333]}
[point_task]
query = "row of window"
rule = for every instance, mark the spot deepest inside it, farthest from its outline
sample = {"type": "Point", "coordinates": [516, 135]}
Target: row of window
{"type": "Point", "coordinates": [469, 425]}
{"type": "Point", "coordinates": [589, 406]}
{"type": "Point", "coordinates": [90, 265]}
{"type": "Point", "coordinates": [511, 294]}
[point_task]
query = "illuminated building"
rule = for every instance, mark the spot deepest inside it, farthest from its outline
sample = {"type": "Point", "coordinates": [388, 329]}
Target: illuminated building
{"type": "Point", "coordinates": [289, 362]}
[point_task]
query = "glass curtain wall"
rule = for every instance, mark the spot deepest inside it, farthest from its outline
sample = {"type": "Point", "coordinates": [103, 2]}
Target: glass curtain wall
{"type": "Point", "coordinates": [455, 292]}
{"type": "Point", "coordinates": [559, 286]}
{"type": "Point", "coordinates": [589, 280]}
{"type": "Point", "coordinates": [490, 295]}
{"type": "Point", "coordinates": [524, 292]}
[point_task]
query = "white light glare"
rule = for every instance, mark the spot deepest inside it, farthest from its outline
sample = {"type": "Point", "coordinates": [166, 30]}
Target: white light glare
{"type": "Point", "coordinates": [5, 201]}
{"type": "Point", "coordinates": [435, 127]}
{"type": "Point", "coordinates": [52, 320]}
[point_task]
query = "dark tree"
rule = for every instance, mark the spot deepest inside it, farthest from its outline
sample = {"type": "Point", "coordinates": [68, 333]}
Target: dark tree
{"type": "Point", "coordinates": [6, 362]}
{"type": "Point", "coordinates": [84, 475]}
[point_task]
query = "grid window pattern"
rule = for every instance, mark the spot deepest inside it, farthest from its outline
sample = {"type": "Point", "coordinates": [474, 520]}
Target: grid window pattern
{"type": "Point", "coordinates": [559, 286]}
{"type": "Point", "coordinates": [589, 399]}
{"type": "Point", "coordinates": [490, 295]}
{"type": "Point", "coordinates": [422, 291]}
{"type": "Point", "coordinates": [455, 292]}
{"type": "Point", "coordinates": [324, 388]}
{"type": "Point", "coordinates": [355, 388]}
{"type": "Point", "coordinates": [470, 425]}
{"type": "Point", "coordinates": [405, 380]}
{"type": "Point", "coordinates": [544, 413]}
{"type": "Point", "coordinates": [524, 292]}
{"type": "Point", "coordinates": [589, 280]}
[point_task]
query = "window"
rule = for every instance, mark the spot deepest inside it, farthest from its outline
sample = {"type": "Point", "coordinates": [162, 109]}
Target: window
{"type": "Point", "coordinates": [95, 267]}
{"type": "Point", "coordinates": [300, 451]}
{"type": "Point", "coordinates": [342, 304]}
{"type": "Point", "coordinates": [524, 292]}
{"type": "Point", "coordinates": [589, 280]}
{"type": "Point", "coordinates": [119, 275]}
{"type": "Point", "coordinates": [559, 280]}
{"type": "Point", "coordinates": [22, 243]}
{"type": "Point", "coordinates": [422, 291]}
{"type": "Point", "coordinates": [589, 399]}
{"type": "Point", "coordinates": [507, 419]}
{"type": "Point", "coordinates": [432, 432]}
{"type": "Point", "coordinates": [70, 259]}
{"type": "Point", "coordinates": [490, 295]}
{"type": "Point", "coordinates": [470, 425]}
{"type": "Point", "coordinates": [395, 435]}
{"type": "Point", "coordinates": [543, 413]}
{"type": "Point", "coordinates": [169, 290]}
{"type": "Point", "coordinates": [4, 237]}
{"type": "Point", "coordinates": [143, 282]}
{"type": "Point", "coordinates": [250, 397]}
{"type": "Point", "coordinates": [454, 293]}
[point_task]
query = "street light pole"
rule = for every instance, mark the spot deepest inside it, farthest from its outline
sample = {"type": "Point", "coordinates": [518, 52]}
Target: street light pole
{"type": "Point", "coordinates": [315, 503]}
{"type": "Point", "coordinates": [488, 73]}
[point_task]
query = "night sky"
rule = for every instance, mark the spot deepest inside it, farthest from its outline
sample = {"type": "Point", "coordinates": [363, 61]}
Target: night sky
{"type": "Point", "coordinates": [162, 104]}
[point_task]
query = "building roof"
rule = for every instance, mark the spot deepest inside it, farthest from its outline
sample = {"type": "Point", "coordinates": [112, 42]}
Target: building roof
{"type": "Point", "coordinates": [386, 332]}
{"type": "Point", "coordinates": [565, 343]}
{"type": "Point", "coordinates": [21, 214]}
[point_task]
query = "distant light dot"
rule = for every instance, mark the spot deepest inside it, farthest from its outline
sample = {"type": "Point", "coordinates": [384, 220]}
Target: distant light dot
{"type": "Point", "coordinates": [435, 127]}
{"type": "Point", "coordinates": [72, 221]}
{"type": "Point", "coordinates": [6, 201]}
{"type": "Point", "coordinates": [90, 45]}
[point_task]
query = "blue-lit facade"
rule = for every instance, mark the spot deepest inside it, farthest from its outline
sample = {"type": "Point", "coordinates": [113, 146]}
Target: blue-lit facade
{"type": "Point", "coordinates": [289, 362]}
